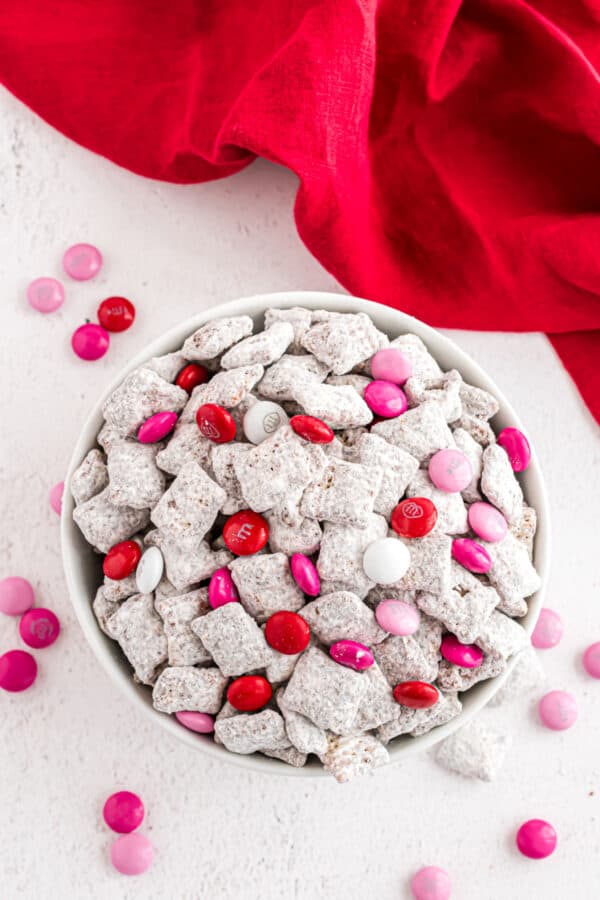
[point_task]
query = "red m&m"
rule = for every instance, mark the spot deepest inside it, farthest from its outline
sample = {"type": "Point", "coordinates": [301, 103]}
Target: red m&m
{"type": "Point", "coordinates": [245, 532]}
{"type": "Point", "coordinates": [116, 314]}
{"type": "Point", "coordinates": [121, 560]}
{"type": "Point", "coordinates": [312, 429]}
{"type": "Point", "coordinates": [416, 694]}
{"type": "Point", "coordinates": [216, 423]}
{"type": "Point", "coordinates": [414, 518]}
{"type": "Point", "coordinates": [249, 693]}
{"type": "Point", "coordinates": [287, 632]}
{"type": "Point", "coordinates": [191, 376]}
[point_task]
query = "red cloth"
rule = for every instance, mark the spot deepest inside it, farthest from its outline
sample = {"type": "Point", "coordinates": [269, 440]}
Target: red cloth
{"type": "Point", "coordinates": [448, 151]}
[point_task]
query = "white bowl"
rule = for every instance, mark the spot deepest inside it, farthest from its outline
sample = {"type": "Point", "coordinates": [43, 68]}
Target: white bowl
{"type": "Point", "coordinates": [82, 565]}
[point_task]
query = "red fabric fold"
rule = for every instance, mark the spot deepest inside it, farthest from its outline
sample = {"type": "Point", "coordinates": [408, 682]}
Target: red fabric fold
{"type": "Point", "coordinates": [448, 152]}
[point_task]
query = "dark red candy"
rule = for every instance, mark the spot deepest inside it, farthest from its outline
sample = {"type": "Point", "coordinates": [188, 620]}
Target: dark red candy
{"type": "Point", "coordinates": [245, 532]}
{"type": "Point", "coordinates": [216, 423]}
{"type": "Point", "coordinates": [416, 694]}
{"type": "Point", "coordinates": [191, 376]}
{"type": "Point", "coordinates": [312, 429]}
{"type": "Point", "coordinates": [121, 560]}
{"type": "Point", "coordinates": [414, 517]}
{"type": "Point", "coordinates": [287, 632]}
{"type": "Point", "coordinates": [116, 314]}
{"type": "Point", "coordinates": [249, 693]}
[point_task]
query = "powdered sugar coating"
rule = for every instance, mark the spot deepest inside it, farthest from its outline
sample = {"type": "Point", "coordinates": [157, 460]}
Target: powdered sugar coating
{"type": "Point", "coordinates": [474, 751]}
{"type": "Point", "coordinates": [90, 477]}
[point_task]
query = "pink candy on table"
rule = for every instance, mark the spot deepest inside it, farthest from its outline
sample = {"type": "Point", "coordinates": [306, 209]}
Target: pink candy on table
{"type": "Point", "coordinates": [18, 670]}
{"type": "Point", "coordinates": [487, 522]}
{"type": "Point", "coordinates": [591, 660]}
{"type": "Point", "coordinates": [558, 710]}
{"type": "Point", "coordinates": [391, 364]}
{"type": "Point", "coordinates": [468, 656]}
{"type": "Point", "coordinates": [352, 654]}
{"type": "Point", "coordinates": [90, 341]}
{"type": "Point", "coordinates": [548, 629]}
{"type": "Point", "coordinates": [471, 555]}
{"type": "Point", "coordinates": [450, 470]}
{"type": "Point", "coordinates": [156, 427]}
{"type": "Point", "coordinates": [55, 496]}
{"type": "Point", "coordinates": [45, 294]}
{"type": "Point", "coordinates": [196, 721]}
{"type": "Point", "coordinates": [397, 617]}
{"type": "Point", "coordinates": [221, 589]}
{"type": "Point", "coordinates": [16, 596]}
{"type": "Point", "coordinates": [385, 399]}
{"type": "Point", "coordinates": [536, 839]}
{"type": "Point", "coordinates": [305, 574]}
{"type": "Point", "coordinates": [39, 628]}
{"type": "Point", "coordinates": [517, 447]}
{"type": "Point", "coordinates": [82, 261]}
{"type": "Point", "coordinates": [431, 883]}
{"type": "Point", "coordinates": [123, 811]}
{"type": "Point", "coordinates": [132, 854]}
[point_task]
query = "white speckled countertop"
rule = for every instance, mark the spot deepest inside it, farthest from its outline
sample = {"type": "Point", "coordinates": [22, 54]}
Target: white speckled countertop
{"type": "Point", "coordinates": [221, 832]}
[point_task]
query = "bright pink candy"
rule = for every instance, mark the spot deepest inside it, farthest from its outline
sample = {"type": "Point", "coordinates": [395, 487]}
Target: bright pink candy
{"type": "Point", "coordinates": [132, 854]}
{"type": "Point", "coordinates": [548, 630]}
{"type": "Point", "coordinates": [18, 670]}
{"type": "Point", "coordinates": [536, 839]}
{"type": "Point", "coordinates": [45, 294]}
{"type": "Point", "coordinates": [352, 654]}
{"type": "Point", "coordinates": [471, 555]}
{"type": "Point", "coordinates": [450, 470]}
{"type": "Point", "coordinates": [196, 721]}
{"type": "Point", "coordinates": [90, 341]}
{"type": "Point", "coordinates": [221, 589]}
{"type": "Point", "coordinates": [397, 617]}
{"type": "Point", "coordinates": [123, 812]}
{"type": "Point", "coordinates": [385, 399]}
{"type": "Point", "coordinates": [55, 496]}
{"type": "Point", "coordinates": [431, 883]}
{"type": "Point", "coordinates": [558, 710]}
{"type": "Point", "coordinates": [517, 446]}
{"type": "Point", "coordinates": [16, 596]}
{"type": "Point", "coordinates": [82, 261]}
{"type": "Point", "coordinates": [487, 522]}
{"type": "Point", "coordinates": [591, 660]}
{"type": "Point", "coordinates": [391, 364]}
{"type": "Point", "coordinates": [468, 656]}
{"type": "Point", "coordinates": [305, 574]}
{"type": "Point", "coordinates": [156, 427]}
{"type": "Point", "coordinates": [39, 628]}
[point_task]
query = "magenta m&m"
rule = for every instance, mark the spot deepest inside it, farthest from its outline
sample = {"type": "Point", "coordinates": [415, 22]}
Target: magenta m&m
{"type": "Point", "coordinates": [16, 596]}
{"type": "Point", "coordinates": [487, 522]}
{"type": "Point", "coordinates": [221, 589]}
{"type": "Point", "coordinates": [536, 839]}
{"type": "Point", "coordinates": [467, 656]}
{"type": "Point", "coordinates": [45, 294]}
{"type": "Point", "coordinates": [431, 883]}
{"type": "Point", "coordinates": [471, 555]}
{"type": "Point", "coordinates": [82, 261]}
{"type": "Point", "coordinates": [392, 365]}
{"type": "Point", "coordinates": [517, 447]}
{"type": "Point", "coordinates": [450, 471]}
{"type": "Point", "coordinates": [132, 854]}
{"type": "Point", "coordinates": [18, 671]}
{"type": "Point", "coordinates": [548, 630]}
{"type": "Point", "coordinates": [156, 427]}
{"type": "Point", "coordinates": [200, 722]}
{"type": "Point", "coordinates": [56, 496]}
{"type": "Point", "coordinates": [304, 573]}
{"type": "Point", "coordinates": [352, 654]}
{"type": "Point", "coordinates": [397, 617]}
{"type": "Point", "coordinates": [39, 628]}
{"type": "Point", "coordinates": [90, 342]}
{"type": "Point", "coordinates": [591, 660]}
{"type": "Point", "coordinates": [123, 811]}
{"type": "Point", "coordinates": [558, 710]}
{"type": "Point", "coordinates": [385, 399]}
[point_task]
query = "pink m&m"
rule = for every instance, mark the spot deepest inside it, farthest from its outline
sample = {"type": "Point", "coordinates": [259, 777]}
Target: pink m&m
{"type": "Point", "coordinates": [385, 399]}
{"type": "Point", "coordinates": [90, 341]}
{"type": "Point", "coordinates": [431, 883]}
{"type": "Point", "coordinates": [471, 555]}
{"type": "Point", "coordinates": [391, 364]}
{"type": "Point", "coordinates": [132, 854]}
{"type": "Point", "coordinates": [196, 721]}
{"type": "Point", "coordinates": [16, 596]}
{"type": "Point", "coordinates": [548, 630]}
{"type": "Point", "coordinates": [39, 628]}
{"type": "Point", "coordinates": [221, 589]}
{"type": "Point", "coordinates": [18, 670]}
{"type": "Point", "coordinates": [487, 522]}
{"type": "Point", "coordinates": [468, 656]}
{"type": "Point", "coordinates": [55, 496]}
{"type": "Point", "coordinates": [397, 617]}
{"type": "Point", "coordinates": [45, 294]}
{"type": "Point", "coordinates": [305, 574]}
{"type": "Point", "coordinates": [591, 660]}
{"type": "Point", "coordinates": [450, 470]}
{"type": "Point", "coordinates": [82, 261]}
{"type": "Point", "coordinates": [558, 710]}
{"type": "Point", "coordinates": [536, 839]}
{"type": "Point", "coordinates": [352, 654]}
{"type": "Point", "coordinates": [156, 427]}
{"type": "Point", "coordinates": [123, 812]}
{"type": "Point", "coordinates": [517, 447]}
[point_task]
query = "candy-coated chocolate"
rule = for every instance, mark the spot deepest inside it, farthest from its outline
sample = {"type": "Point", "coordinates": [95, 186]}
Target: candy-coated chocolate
{"type": "Point", "coordinates": [558, 710]}
{"type": "Point", "coordinates": [249, 693]}
{"type": "Point", "coordinates": [287, 632]}
{"type": "Point", "coordinates": [16, 595]}
{"type": "Point", "coordinates": [487, 522]}
{"type": "Point", "coordinates": [39, 627]}
{"type": "Point", "coordinates": [397, 617]}
{"type": "Point", "coordinates": [536, 839]}
{"type": "Point", "coordinates": [548, 630]}
{"type": "Point", "coordinates": [45, 294]}
{"type": "Point", "coordinates": [517, 447]}
{"type": "Point", "coordinates": [385, 399]}
{"type": "Point", "coordinates": [468, 656]}
{"type": "Point", "coordinates": [471, 555]}
{"type": "Point", "coordinates": [591, 660]}
{"type": "Point", "coordinates": [431, 883]}
{"type": "Point", "coordinates": [221, 589]}
{"type": "Point", "coordinates": [312, 429]}
{"type": "Point", "coordinates": [216, 423]}
{"type": "Point", "coordinates": [305, 574]}
{"type": "Point", "coordinates": [90, 341]}
{"type": "Point", "coordinates": [116, 314]}
{"type": "Point", "coordinates": [18, 670]}
{"type": "Point", "coordinates": [132, 854]}
{"type": "Point", "coordinates": [263, 419]}
{"type": "Point", "coordinates": [352, 654]}
{"type": "Point", "coordinates": [123, 812]}
{"type": "Point", "coordinates": [450, 471]}
{"type": "Point", "coordinates": [55, 496]}
{"type": "Point", "coordinates": [149, 570]}
{"type": "Point", "coordinates": [82, 261]}
{"type": "Point", "coordinates": [121, 560]}
{"type": "Point", "coordinates": [196, 721]}
{"type": "Point", "coordinates": [416, 694]}
{"type": "Point", "coordinates": [386, 560]}
{"type": "Point", "coordinates": [414, 517]}
{"type": "Point", "coordinates": [191, 376]}
{"type": "Point", "coordinates": [156, 427]}
{"type": "Point", "coordinates": [390, 364]}
{"type": "Point", "coordinates": [245, 532]}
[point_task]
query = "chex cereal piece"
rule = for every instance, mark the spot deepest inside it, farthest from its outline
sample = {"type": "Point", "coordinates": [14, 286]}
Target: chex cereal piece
{"type": "Point", "coordinates": [349, 757]}
{"type": "Point", "coordinates": [377, 705]}
{"type": "Point", "coordinates": [463, 613]}
{"type": "Point", "coordinates": [180, 688]}
{"type": "Point", "coordinates": [344, 493]}
{"type": "Point", "coordinates": [389, 592]}
{"type": "Point", "coordinates": [213, 338]}
{"type": "Point", "coordinates": [226, 389]}
{"type": "Point", "coordinates": [288, 755]}
{"type": "Point", "coordinates": [527, 676]}
{"type": "Point", "coordinates": [107, 435]}
{"type": "Point", "coordinates": [499, 484]}
{"type": "Point", "coordinates": [265, 585]}
{"type": "Point", "coordinates": [165, 588]}
{"type": "Point", "coordinates": [342, 616]}
{"type": "Point", "coordinates": [430, 565]}
{"type": "Point", "coordinates": [178, 612]}
{"type": "Point", "coordinates": [423, 363]}
{"type": "Point", "coordinates": [302, 538]}
{"type": "Point", "coordinates": [421, 431]}
{"type": "Point", "coordinates": [119, 590]}
{"type": "Point", "coordinates": [429, 637]}
{"type": "Point", "coordinates": [342, 550]}
{"type": "Point", "coordinates": [502, 636]}
{"type": "Point", "coordinates": [139, 631]}
{"type": "Point", "coordinates": [457, 678]}
{"type": "Point", "coordinates": [349, 439]}
{"type": "Point", "coordinates": [452, 512]}
{"type": "Point", "coordinates": [89, 478]}
{"type": "Point", "coordinates": [446, 709]}
{"type": "Point", "coordinates": [340, 406]}
{"type": "Point", "coordinates": [233, 639]}
{"type": "Point", "coordinates": [325, 692]}
{"type": "Point", "coordinates": [263, 348]}
{"type": "Point", "coordinates": [103, 524]}
{"type": "Point", "coordinates": [185, 445]}
{"type": "Point", "coordinates": [281, 379]}
{"type": "Point", "coordinates": [480, 430]}
{"type": "Point", "coordinates": [336, 448]}
{"type": "Point", "coordinates": [167, 366]}
{"type": "Point", "coordinates": [280, 666]}
{"type": "Point", "coordinates": [443, 390]}
{"type": "Point", "coordinates": [474, 453]}
{"type": "Point", "coordinates": [188, 559]}
{"type": "Point", "coordinates": [191, 503]}
{"type": "Point", "coordinates": [512, 574]}
{"type": "Point", "coordinates": [104, 608]}
{"type": "Point", "coordinates": [477, 402]}
{"type": "Point", "coordinates": [345, 341]}
{"type": "Point", "coordinates": [299, 319]}
{"type": "Point", "coordinates": [251, 733]}
{"type": "Point", "coordinates": [334, 587]}
{"type": "Point", "coordinates": [358, 382]}
{"type": "Point", "coordinates": [222, 460]}
{"type": "Point", "coordinates": [138, 397]}
{"type": "Point", "coordinates": [474, 751]}
{"type": "Point", "coordinates": [135, 479]}
{"type": "Point", "coordinates": [526, 529]}
{"type": "Point", "coordinates": [398, 468]}
{"type": "Point", "coordinates": [402, 659]}
{"type": "Point", "coordinates": [303, 734]}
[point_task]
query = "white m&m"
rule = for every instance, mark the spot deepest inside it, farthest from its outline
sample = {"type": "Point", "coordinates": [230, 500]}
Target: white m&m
{"type": "Point", "coordinates": [386, 560]}
{"type": "Point", "coordinates": [263, 419]}
{"type": "Point", "coordinates": [149, 570]}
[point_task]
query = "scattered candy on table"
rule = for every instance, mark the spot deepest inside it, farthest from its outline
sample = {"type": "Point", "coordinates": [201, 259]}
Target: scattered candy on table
{"type": "Point", "coordinates": [305, 574]}
{"type": "Point", "coordinates": [397, 617]}
{"type": "Point", "coordinates": [245, 532]}
{"type": "Point", "coordinates": [352, 654]}
{"type": "Point", "coordinates": [156, 427]}
{"type": "Point", "coordinates": [536, 839]}
{"type": "Point", "coordinates": [221, 589]}
{"type": "Point", "coordinates": [450, 471]}
{"type": "Point", "coordinates": [386, 560]}
{"type": "Point", "coordinates": [391, 364]}
{"type": "Point", "coordinates": [249, 693]}
{"type": "Point", "coordinates": [468, 656]}
{"type": "Point", "coordinates": [132, 854]}
{"type": "Point", "coordinates": [385, 399]}
{"type": "Point", "coordinates": [416, 694]}
{"type": "Point", "coordinates": [591, 660]}
{"type": "Point", "coordinates": [487, 522]}
{"type": "Point", "coordinates": [287, 632]}
{"type": "Point", "coordinates": [201, 722]}
{"type": "Point", "coordinates": [312, 429]}
{"type": "Point", "coordinates": [149, 570]}
{"type": "Point", "coordinates": [414, 517]}
{"type": "Point", "coordinates": [191, 376]}
{"type": "Point", "coordinates": [123, 812]}
{"type": "Point", "coordinates": [548, 629]}
{"type": "Point", "coordinates": [215, 423]}
{"type": "Point", "coordinates": [18, 670]}
{"type": "Point", "coordinates": [82, 261]}
{"type": "Point", "coordinates": [116, 314]}
{"type": "Point", "coordinates": [262, 419]}
{"type": "Point", "coordinates": [431, 883]}
{"type": "Point", "coordinates": [56, 496]}
{"type": "Point", "coordinates": [45, 294]}
{"type": "Point", "coordinates": [471, 555]}
{"type": "Point", "coordinates": [517, 447]}
{"type": "Point", "coordinates": [90, 342]}
{"type": "Point", "coordinates": [39, 627]}
{"type": "Point", "coordinates": [121, 560]}
{"type": "Point", "coordinates": [16, 595]}
{"type": "Point", "coordinates": [558, 710]}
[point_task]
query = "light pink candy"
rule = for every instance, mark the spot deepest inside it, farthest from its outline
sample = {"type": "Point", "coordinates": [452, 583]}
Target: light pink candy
{"type": "Point", "coordinates": [517, 447]}
{"type": "Point", "coordinates": [536, 839]}
{"type": "Point", "coordinates": [221, 589]}
{"type": "Point", "coordinates": [450, 471]}
{"type": "Point", "coordinates": [558, 710]}
{"type": "Point", "coordinates": [487, 522]}
{"type": "Point", "coordinates": [132, 854]}
{"type": "Point", "coordinates": [385, 399]}
{"type": "Point", "coordinates": [196, 721]}
{"type": "Point", "coordinates": [471, 555]}
{"type": "Point", "coordinates": [548, 630]}
{"type": "Point", "coordinates": [431, 883]}
{"type": "Point", "coordinates": [391, 364]}
{"type": "Point", "coordinates": [468, 656]}
{"type": "Point", "coordinates": [45, 294]}
{"type": "Point", "coordinates": [305, 574]}
{"type": "Point", "coordinates": [16, 596]}
{"type": "Point", "coordinates": [591, 660]}
{"type": "Point", "coordinates": [55, 496]}
{"type": "Point", "coordinates": [352, 654]}
{"type": "Point", "coordinates": [156, 427]}
{"type": "Point", "coordinates": [82, 261]}
{"type": "Point", "coordinates": [90, 341]}
{"type": "Point", "coordinates": [397, 617]}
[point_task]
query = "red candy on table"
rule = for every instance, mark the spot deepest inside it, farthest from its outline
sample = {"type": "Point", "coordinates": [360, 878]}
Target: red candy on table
{"type": "Point", "coordinates": [18, 671]}
{"type": "Point", "coordinates": [216, 423]}
{"type": "Point", "coordinates": [416, 694]}
{"type": "Point", "coordinates": [191, 376]}
{"type": "Point", "coordinates": [287, 632]}
{"type": "Point", "coordinates": [123, 812]}
{"type": "Point", "coordinates": [312, 429]}
{"type": "Point", "coordinates": [116, 314]}
{"type": "Point", "coordinates": [249, 693]}
{"type": "Point", "coordinates": [39, 628]}
{"type": "Point", "coordinates": [121, 560]}
{"type": "Point", "coordinates": [245, 532]}
{"type": "Point", "coordinates": [414, 518]}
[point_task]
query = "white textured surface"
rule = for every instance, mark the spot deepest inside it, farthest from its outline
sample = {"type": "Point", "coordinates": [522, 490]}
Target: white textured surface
{"type": "Point", "coordinates": [220, 832]}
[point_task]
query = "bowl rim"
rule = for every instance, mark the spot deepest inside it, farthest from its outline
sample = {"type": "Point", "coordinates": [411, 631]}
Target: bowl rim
{"type": "Point", "coordinates": [107, 651]}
